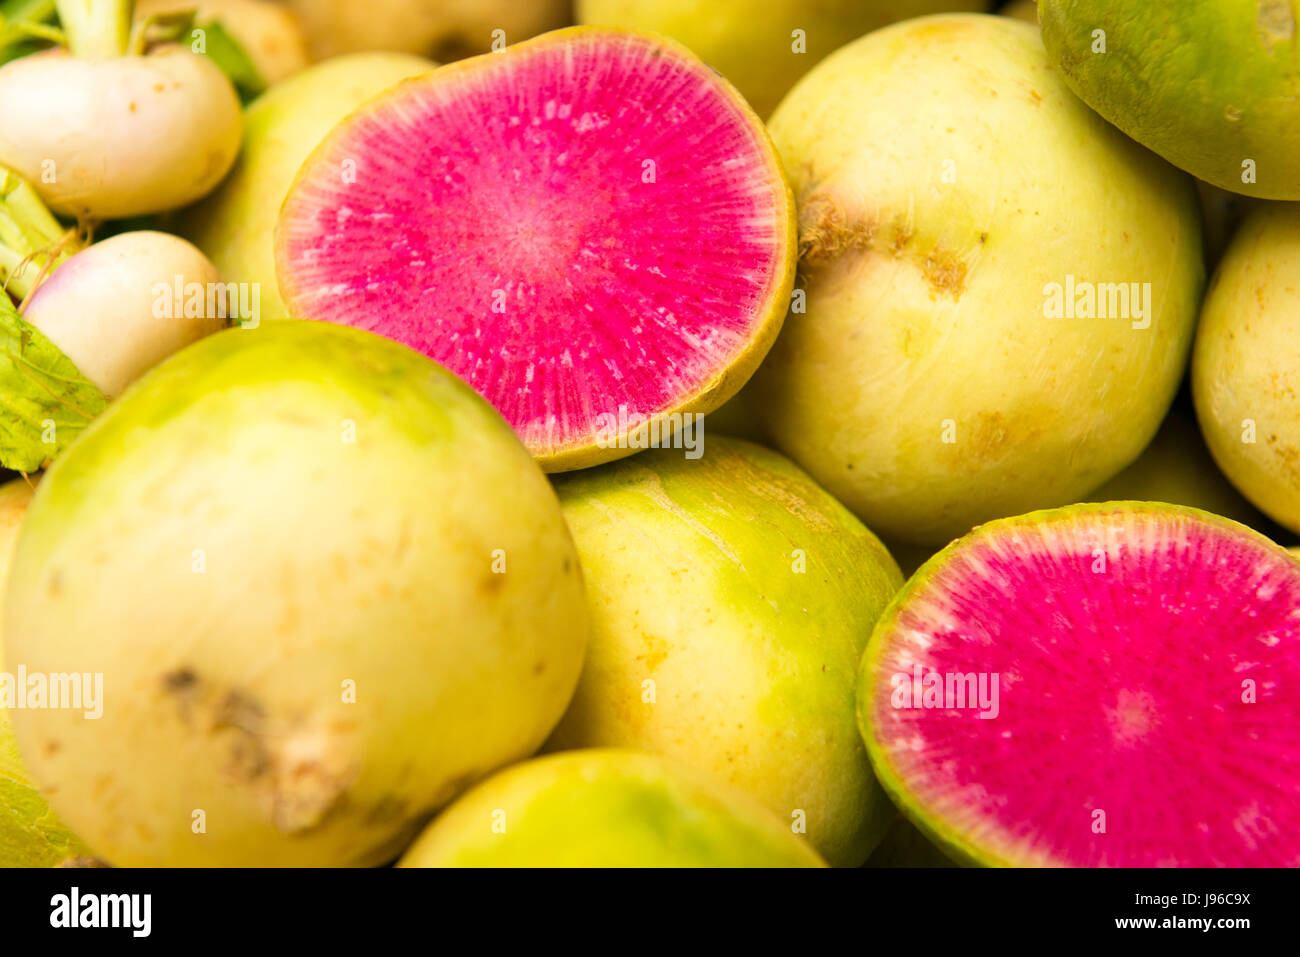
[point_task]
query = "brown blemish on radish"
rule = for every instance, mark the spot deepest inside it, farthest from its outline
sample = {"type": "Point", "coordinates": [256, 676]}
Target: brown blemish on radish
{"type": "Point", "coordinates": [301, 771]}
{"type": "Point", "coordinates": [1275, 21]}
{"type": "Point", "coordinates": [827, 232]}
{"type": "Point", "coordinates": [656, 653]}
{"type": "Point", "coordinates": [902, 236]}
{"type": "Point", "coordinates": [1288, 456]}
{"type": "Point", "coordinates": [945, 272]}
{"type": "Point", "coordinates": [986, 437]}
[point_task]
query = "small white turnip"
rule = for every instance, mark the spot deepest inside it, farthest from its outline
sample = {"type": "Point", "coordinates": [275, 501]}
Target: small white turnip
{"type": "Point", "coordinates": [111, 307]}
{"type": "Point", "coordinates": [106, 135]}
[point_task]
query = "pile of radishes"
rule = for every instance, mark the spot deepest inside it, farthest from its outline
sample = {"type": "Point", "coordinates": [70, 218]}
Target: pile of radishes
{"type": "Point", "coordinates": [957, 294]}
{"type": "Point", "coordinates": [115, 114]}
{"type": "Point", "coordinates": [120, 119]}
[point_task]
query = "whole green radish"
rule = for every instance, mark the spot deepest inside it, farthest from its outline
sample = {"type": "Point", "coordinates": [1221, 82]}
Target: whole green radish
{"type": "Point", "coordinates": [1246, 366]}
{"type": "Point", "coordinates": [1212, 86]}
{"type": "Point", "coordinates": [731, 598]}
{"type": "Point", "coordinates": [606, 808]}
{"type": "Point", "coordinates": [234, 226]}
{"type": "Point", "coordinates": [1000, 287]}
{"type": "Point", "coordinates": [30, 834]}
{"type": "Point", "coordinates": [326, 589]}
{"type": "Point", "coordinates": [762, 46]}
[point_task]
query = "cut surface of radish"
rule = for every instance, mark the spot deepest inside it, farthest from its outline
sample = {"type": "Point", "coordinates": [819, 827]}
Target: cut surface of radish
{"type": "Point", "coordinates": [1114, 684]}
{"type": "Point", "coordinates": [585, 225]}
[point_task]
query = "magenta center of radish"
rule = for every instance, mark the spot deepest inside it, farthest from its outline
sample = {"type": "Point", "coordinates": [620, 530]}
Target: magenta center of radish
{"type": "Point", "coordinates": [1143, 708]}
{"type": "Point", "coordinates": [572, 228]}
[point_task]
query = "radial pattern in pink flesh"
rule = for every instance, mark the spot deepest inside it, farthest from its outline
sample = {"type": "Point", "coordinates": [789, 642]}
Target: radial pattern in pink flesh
{"type": "Point", "coordinates": [571, 227]}
{"type": "Point", "coordinates": [1147, 706]}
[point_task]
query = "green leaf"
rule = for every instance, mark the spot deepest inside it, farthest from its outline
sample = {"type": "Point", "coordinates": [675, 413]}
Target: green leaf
{"type": "Point", "coordinates": [30, 834]}
{"type": "Point", "coordinates": [25, 27]}
{"type": "Point", "coordinates": [226, 52]}
{"type": "Point", "coordinates": [43, 396]}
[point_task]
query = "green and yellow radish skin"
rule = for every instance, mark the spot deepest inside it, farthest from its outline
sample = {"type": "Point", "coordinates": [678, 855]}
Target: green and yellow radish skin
{"type": "Point", "coordinates": [931, 383]}
{"type": "Point", "coordinates": [327, 589]}
{"type": "Point", "coordinates": [731, 598]}
{"type": "Point", "coordinates": [606, 808]}
{"type": "Point", "coordinates": [30, 834]}
{"type": "Point", "coordinates": [1212, 86]}
{"type": "Point", "coordinates": [1177, 468]}
{"type": "Point", "coordinates": [1246, 364]}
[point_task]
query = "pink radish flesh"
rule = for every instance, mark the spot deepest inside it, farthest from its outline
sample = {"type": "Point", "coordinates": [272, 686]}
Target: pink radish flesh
{"type": "Point", "coordinates": [1127, 644]}
{"type": "Point", "coordinates": [572, 226]}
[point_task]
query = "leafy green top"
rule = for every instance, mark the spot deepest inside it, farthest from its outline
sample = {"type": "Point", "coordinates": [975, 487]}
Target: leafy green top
{"type": "Point", "coordinates": [45, 401]}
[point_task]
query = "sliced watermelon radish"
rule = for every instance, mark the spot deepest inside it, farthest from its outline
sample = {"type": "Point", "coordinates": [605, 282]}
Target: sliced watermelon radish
{"type": "Point", "coordinates": [591, 228]}
{"type": "Point", "coordinates": [1131, 684]}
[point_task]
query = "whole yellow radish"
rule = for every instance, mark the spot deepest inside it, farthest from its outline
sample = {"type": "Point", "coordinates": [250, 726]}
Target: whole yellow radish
{"type": "Point", "coordinates": [731, 598]}
{"type": "Point", "coordinates": [325, 587]}
{"type": "Point", "coordinates": [1000, 287]}
{"type": "Point", "coordinates": [1246, 366]}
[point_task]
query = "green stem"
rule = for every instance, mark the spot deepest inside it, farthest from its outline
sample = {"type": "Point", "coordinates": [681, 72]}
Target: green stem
{"type": "Point", "coordinates": [32, 242]}
{"type": "Point", "coordinates": [26, 26]}
{"type": "Point", "coordinates": [96, 29]}
{"type": "Point", "coordinates": [40, 11]}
